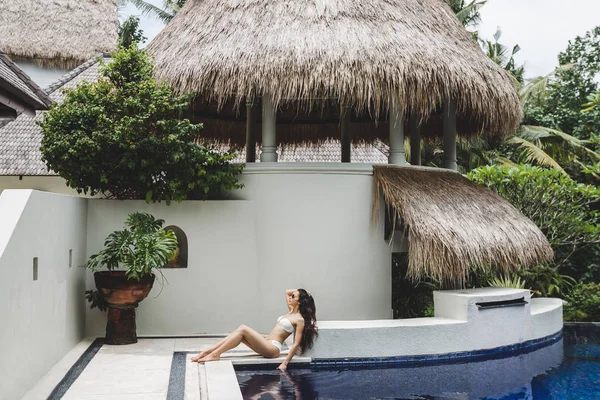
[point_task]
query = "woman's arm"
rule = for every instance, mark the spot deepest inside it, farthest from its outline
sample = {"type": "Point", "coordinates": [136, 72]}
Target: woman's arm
{"type": "Point", "coordinates": [288, 293]}
{"type": "Point", "coordinates": [295, 346]}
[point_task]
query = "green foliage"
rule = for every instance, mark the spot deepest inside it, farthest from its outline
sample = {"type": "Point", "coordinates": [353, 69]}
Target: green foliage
{"type": "Point", "coordinates": [96, 300]}
{"type": "Point", "coordinates": [563, 107]}
{"type": "Point", "coordinates": [507, 281]}
{"type": "Point", "coordinates": [545, 281]}
{"type": "Point", "coordinates": [594, 101]}
{"type": "Point", "coordinates": [129, 33]}
{"type": "Point", "coordinates": [562, 208]}
{"type": "Point", "coordinates": [468, 13]}
{"type": "Point", "coordinates": [583, 303]}
{"type": "Point", "coordinates": [165, 14]}
{"type": "Point", "coordinates": [140, 248]}
{"type": "Point", "coordinates": [410, 299]}
{"type": "Point", "coordinates": [124, 136]}
{"type": "Point", "coordinates": [503, 56]}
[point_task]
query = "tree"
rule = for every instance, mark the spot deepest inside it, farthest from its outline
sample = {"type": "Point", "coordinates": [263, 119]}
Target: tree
{"type": "Point", "coordinates": [594, 101]}
{"type": "Point", "coordinates": [129, 32]}
{"type": "Point", "coordinates": [165, 14]}
{"type": "Point", "coordinates": [563, 107]}
{"type": "Point", "coordinates": [500, 54]}
{"type": "Point", "coordinates": [562, 208]}
{"type": "Point", "coordinates": [530, 144]}
{"type": "Point", "coordinates": [468, 13]}
{"type": "Point", "coordinates": [124, 136]}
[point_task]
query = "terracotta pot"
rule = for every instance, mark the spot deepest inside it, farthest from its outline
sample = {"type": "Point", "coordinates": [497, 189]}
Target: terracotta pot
{"type": "Point", "coordinates": [122, 296]}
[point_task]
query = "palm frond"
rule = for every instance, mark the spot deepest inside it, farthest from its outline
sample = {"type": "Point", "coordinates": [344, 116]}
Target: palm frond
{"type": "Point", "coordinates": [531, 132]}
{"type": "Point", "coordinates": [149, 9]}
{"type": "Point", "coordinates": [535, 154]}
{"type": "Point", "coordinates": [535, 88]}
{"type": "Point", "coordinates": [594, 101]}
{"type": "Point", "coordinates": [469, 14]}
{"type": "Point", "coordinates": [501, 160]}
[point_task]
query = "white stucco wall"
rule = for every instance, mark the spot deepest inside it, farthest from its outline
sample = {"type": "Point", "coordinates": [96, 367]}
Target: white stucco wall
{"type": "Point", "coordinates": [40, 320]}
{"type": "Point", "coordinates": [458, 326]}
{"type": "Point", "coordinates": [54, 184]}
{"type": "Point", "coordinates": [43, 76]}
{"type": "Point", "coordinates": [292, 225]}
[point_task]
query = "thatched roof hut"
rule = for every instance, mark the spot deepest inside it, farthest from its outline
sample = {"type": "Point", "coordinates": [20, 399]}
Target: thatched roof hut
{"type": "Point", "coordinates": [454, 225]}
{"type": "Point", "coordinates": [62, 33]}
{"type": "Point", "coordinates": [330, 54]}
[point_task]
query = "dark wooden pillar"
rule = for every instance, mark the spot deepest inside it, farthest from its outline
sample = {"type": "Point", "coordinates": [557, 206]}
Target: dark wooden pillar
{"type": "Point", "coordinates": [250, 133]}
{"type": "Point", "coordinates": [415, 140]}
{"type": "Point", "coordinates": [345, 137]}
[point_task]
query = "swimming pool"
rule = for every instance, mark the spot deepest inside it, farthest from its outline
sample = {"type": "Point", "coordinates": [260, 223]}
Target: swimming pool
{"type": "Point", "coordinates": [569, 368]}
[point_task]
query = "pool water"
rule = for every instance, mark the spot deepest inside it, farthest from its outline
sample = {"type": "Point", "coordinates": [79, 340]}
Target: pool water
{"type": "Point", "coordinates": [567, 369]}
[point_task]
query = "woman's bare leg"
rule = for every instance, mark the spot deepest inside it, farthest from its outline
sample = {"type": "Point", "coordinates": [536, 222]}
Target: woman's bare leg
{"type": "Point", "coordinates": [252, 339]}
{"type": "Point", "coordinates": [213, 348]}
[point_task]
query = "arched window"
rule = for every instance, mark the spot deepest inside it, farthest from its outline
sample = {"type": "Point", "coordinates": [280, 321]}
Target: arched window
{"type": "Point", "coordinates": [180, 259]}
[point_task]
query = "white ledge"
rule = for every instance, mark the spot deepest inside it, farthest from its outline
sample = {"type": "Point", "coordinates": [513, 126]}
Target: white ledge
{"type": "Point", "coordinates": [308, 168]}
{"type": "Point", "coordinates": [322, 168]}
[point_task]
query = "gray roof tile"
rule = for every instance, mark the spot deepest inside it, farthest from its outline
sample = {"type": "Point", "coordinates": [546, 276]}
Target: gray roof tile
{"type": "Point", "coordinates": [20, 139]}
{"type": "Point", "coordinates": [19, 80]}
{"type": "Point", "coordinates": [328, 151]}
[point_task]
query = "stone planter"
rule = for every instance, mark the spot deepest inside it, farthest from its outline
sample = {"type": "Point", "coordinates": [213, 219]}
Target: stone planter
{"type": "Point", "coordinates": [122, 296]}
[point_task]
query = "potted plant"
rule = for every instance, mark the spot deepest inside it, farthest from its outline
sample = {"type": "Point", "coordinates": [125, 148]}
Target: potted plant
{"type": "Point", "coordinates": [130, 257]}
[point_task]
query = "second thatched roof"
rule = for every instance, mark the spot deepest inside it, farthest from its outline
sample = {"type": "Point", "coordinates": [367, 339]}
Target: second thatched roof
{"type": "Point", "coordinates": [61, 33]}
{"type": "Point", "coordinates": [455, 226]}
{"type": "Point", "coordinates": [360, 53]}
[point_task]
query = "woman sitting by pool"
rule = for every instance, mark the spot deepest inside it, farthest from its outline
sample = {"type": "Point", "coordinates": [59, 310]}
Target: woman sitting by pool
{"type": "Point", "coordinates": [301, 321]}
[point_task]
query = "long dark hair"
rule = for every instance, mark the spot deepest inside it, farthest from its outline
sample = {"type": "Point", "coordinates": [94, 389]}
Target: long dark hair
{"type": "Point", "coordinates": [308, 310]}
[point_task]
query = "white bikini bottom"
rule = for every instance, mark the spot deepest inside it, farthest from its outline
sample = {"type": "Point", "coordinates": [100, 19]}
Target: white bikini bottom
{"type": "Point", "coordinates": [276, 344]}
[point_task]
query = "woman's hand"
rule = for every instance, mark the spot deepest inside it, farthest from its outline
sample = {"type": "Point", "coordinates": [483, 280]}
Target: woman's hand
{"type": "Point", "coordinates": [282, 367]}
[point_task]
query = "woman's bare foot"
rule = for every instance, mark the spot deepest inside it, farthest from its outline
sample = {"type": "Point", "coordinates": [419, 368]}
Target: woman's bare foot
{"type": "Point", "coordinates": [201, 355]}
{"type": "Point", "coordinates": [208, 358]}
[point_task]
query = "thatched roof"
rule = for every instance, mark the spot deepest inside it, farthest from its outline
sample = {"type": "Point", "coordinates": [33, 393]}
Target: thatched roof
{"type": "Point", "coordinates": [455, 225]}
{"type": "Point", "coordinates": [18, 93]}
{"type": "Point", "coordinates": [62, 33]}
{"type": "Point", "coordinates": [333, 53]}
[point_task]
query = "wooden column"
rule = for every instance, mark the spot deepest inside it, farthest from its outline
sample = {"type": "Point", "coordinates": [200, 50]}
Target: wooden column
{"type": "Point", "coordinates": [250, 133]}
{"type": "Point", "coordinates": [415, 140]}
{"type": "Point", "coordinates": [345, 137]}
{"type": "Point", "coordinates": [449, 120]}
{"type": "Point", "coordinates": [397, 155]}
{"type": "Point", "coordinates": [269, 138]}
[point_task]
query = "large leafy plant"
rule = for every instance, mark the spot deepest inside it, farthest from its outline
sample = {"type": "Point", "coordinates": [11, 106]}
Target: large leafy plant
{"type": "Point", "coordinates": [583, 303]}
{"type": "Point", "coordinates": [565, 210]}
{"type": "Point", "coordinates": [139, 249]}
{"type": "Point", "coordinates": [124, 136]}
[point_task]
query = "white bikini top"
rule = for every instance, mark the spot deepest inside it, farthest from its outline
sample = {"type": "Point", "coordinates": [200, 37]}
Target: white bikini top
{"type": "Point", "coordinates": [286, 324]}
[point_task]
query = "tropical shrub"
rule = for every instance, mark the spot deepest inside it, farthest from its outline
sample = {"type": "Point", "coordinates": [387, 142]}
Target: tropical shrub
{"type": "Point", "coordinates": [545, 281]}
{"type": "Point", "coordinates": [562, 208]}
{"type": "Point", "coordinates": [124, 136]}
{"type": "Point", "coordinates": [583, 303]}
{"type": "Point", "coordinates": [410, 299]}
{"type": "Point", "coordinates": [507, 281]}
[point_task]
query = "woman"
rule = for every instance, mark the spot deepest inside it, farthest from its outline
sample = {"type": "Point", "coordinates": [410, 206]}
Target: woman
{"type": "Point", "coordinates": [301, 321]}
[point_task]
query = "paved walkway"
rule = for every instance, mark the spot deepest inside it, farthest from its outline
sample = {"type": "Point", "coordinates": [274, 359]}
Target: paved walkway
{"type": "Point", "coordinates": [151, 369]}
